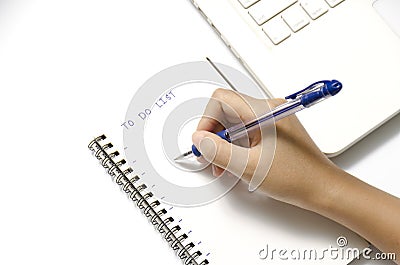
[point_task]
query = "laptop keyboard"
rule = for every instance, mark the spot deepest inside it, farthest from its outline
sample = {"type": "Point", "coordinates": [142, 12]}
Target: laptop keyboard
{"type": "Point", "coordinates": [279, 19]}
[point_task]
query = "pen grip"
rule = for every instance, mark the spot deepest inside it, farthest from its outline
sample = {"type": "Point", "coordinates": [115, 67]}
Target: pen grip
{"type": "Point", "coordinates": [223, 134]}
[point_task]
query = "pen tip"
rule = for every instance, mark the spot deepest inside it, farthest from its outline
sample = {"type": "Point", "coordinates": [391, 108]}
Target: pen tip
{"type": "Point", "coordinates": [183, 156]}
{"type": "Point", "coordinates": [178, 158]}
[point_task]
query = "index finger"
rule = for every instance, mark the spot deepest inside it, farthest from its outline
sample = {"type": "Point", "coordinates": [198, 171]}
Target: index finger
{"type": "Point", "coordinates": [225, 107]}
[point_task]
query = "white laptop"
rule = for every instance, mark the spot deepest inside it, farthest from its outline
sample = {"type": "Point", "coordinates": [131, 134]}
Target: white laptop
{"type": "Point", "coordinates": [288, 44]}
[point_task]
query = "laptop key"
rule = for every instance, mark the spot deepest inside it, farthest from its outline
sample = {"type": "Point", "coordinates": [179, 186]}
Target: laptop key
{"type": "Point", "coordinates": [267, 9]}
{"type": "Point", "coordinates": [295, 17]}
{"type": "Point", "coordinates": [247, 3]}
{"type": "Point", "coordinates": [314, 8]}
{"type": "Point", "coordinates": [276, 30]}
{"type": "Point", "coordinates": [333, 3]}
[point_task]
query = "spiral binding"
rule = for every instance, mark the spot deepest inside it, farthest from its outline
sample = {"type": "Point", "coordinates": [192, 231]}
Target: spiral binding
{"type": "Point", "coordinates": [137, 194]}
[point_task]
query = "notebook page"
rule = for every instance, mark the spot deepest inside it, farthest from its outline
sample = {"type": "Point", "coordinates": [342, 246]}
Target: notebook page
{"type": "Point", "coordinates": [239, 227]}
{"type": "Point", "coordinates": [250, 228]}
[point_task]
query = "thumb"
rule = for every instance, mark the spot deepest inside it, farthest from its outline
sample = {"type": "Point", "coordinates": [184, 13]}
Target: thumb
{"type": "Point", "coordinates": [212, 147]}
{"type": "Point", "coordinates": [220, 152]}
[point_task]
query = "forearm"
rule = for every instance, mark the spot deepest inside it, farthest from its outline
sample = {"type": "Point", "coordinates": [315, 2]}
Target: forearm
{"type": "Point", "coordinates": [370, 212]}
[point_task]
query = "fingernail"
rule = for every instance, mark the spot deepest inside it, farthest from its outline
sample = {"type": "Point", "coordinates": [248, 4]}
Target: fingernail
{"type": "Point", "coordinates": [217, 172]}
{"type": "Point", "coordinates": [214, 171]}
{"type": "Point", "coordinates": [201, 160]}
{"type": "Point", "coordinates": [220, 173]}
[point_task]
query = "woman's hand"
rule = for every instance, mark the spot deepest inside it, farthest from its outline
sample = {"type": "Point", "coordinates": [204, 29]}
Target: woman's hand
{"type": "Point", "coordinates": [294, 170]}
{"type": "Point", "coordinates": [299, 172]}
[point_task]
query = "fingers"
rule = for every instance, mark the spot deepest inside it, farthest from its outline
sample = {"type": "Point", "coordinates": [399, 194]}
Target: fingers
{"type": "Point", "coordinates": [222, 153]}
{"type": "Point", "coordinates": [225, 107]}
{"type": "Point", "coordinates": [209, 144]}
{"type": "Point", "coordinates": [217, 171]}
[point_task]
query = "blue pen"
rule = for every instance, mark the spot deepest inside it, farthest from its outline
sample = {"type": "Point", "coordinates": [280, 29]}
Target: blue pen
{"type": "Point", "coordinates": [302, 99]}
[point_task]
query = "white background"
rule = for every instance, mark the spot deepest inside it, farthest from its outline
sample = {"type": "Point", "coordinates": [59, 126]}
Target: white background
{"type": "Point", "coordinates": [68, 70]}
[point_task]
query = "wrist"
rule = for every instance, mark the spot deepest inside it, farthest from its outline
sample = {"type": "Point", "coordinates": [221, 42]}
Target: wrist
{"type": "Point", "coordinates": [332, 184]}
{"type": "Point", "coordinates": [340, 196]}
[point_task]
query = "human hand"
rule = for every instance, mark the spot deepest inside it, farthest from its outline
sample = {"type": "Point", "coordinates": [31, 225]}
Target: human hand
{"type": "Point", "coordinates": [293, 168]}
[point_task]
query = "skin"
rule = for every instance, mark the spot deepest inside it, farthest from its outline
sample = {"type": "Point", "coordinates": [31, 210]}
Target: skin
{"type": "Point", "coordinates": [300, 173]}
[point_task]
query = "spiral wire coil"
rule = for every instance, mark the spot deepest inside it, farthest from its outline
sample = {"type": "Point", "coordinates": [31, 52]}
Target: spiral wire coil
{"type": "Point", "coordinates": [149, 207]}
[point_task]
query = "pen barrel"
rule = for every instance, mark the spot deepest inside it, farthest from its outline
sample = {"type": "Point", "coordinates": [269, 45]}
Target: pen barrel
{"type": "Point", "coordinates": [241, 131]}
{"type": "Point", "coordinates": [303, 99]}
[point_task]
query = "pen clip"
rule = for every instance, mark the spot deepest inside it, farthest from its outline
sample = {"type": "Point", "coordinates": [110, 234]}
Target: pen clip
{"type": "Point", "coordinates": [310, 88]}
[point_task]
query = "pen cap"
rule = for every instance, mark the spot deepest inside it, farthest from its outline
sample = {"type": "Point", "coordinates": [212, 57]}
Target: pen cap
{"type": "Point", "coordinates": [329, 89]}
{"type": "Point", "coordinates": [333, 87]}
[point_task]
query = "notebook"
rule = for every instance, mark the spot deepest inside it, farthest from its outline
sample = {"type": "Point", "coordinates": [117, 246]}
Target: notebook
{"type": "Point", "coordinates": [285, 43]}
{"type": "Point", "coordinates": [222, 223]}
{"type": "Point", "coordinates": [240, 228]}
